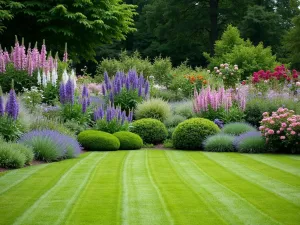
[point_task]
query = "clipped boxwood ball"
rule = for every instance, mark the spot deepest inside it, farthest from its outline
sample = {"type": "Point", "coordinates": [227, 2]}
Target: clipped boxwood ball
{"type": "Point", "coordinates": [191, 133]}
{"type": "Point", "coordinates": [129, 140]}
{"type": "Point", "coordinates": [152, 131]}
{"type": "Point", "coordinates": [93, 140]}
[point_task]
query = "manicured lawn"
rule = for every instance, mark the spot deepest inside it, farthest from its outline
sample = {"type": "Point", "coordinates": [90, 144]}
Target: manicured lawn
{"type": "Point", "coordinates": [154, 187]}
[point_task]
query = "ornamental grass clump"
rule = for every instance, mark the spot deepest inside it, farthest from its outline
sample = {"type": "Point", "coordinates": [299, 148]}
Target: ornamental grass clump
{"type": "Point", "coordinates": [237, 128]}
{"type": "Point", "coordinates": [281, 130]}
{"type": "Point", "coordinates": [112, 119]}
{"type": "Point", "coordinates": [125, 90]}
{"type": "Point", "coordinates": [219, 143]}
{"type": "Point", "coordinates": [50, 145]}
{"type": "Point", "coordinates": [250, 142]}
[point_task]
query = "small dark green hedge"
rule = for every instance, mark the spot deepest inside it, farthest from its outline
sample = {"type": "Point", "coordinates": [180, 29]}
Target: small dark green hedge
{"type": "Point", "coordinates": [129, 140]}
{"type": "Point", "coordinates": [191, 133]}
{"type": "Point", "coordinates": [93, 140]}
{"type": "Point", "coordinates": [152, 131]}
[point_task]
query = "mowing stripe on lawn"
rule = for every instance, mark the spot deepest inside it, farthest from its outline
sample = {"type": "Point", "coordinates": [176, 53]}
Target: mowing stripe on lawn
{"type": "Point", "coordinates": [277, 163]}
{"type": "Point", "coordinates": [14, 177]}
{"type": "Point", "coordinates": [239, 164]}
{"type": "Point", "coordinates": [141, 200]}
{"type": "Point", "coordinates": [295, 157]}
{"type": "Point", "coordinates": [99, 202]}
{"type": "Point", "coordinates": [233, 208]}
{"type": "Point", "coordinates": [272, 205]}
{"type": "Point", "coordinates": [15, 201]}
{"type": "Point", "coordinates": [50, 207]}
{"type": "Point", "coordinates": [185, 206]}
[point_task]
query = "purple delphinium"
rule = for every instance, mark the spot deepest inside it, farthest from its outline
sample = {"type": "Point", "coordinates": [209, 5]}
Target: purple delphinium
{"type": "Point", "coordinates": [69, 92]}
{"type": "Point", "coordinates": [112, 113]}
{"type": "Point", "coordinates": [65, 146]}
{"type": "Point", "coordinates": [12, 106]}
{"type": "Point", "coordinates": [84, 104]}
{"type": "Point", "coordinates": [62, 93]}
{"type": "Point", "coordinates": [111, 98]}
{"type": "Point", "coordinates": [241, 137]}
{"type": "Point", "coordinates": [85, 92]}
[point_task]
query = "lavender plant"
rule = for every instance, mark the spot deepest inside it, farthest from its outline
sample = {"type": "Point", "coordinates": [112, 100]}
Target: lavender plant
{"type": "Point", "coordinates": [50, 145]}
{"type": "Point", "coordinates": [112, 119]}
{"type": "Point", "coordinates": [124, 90]}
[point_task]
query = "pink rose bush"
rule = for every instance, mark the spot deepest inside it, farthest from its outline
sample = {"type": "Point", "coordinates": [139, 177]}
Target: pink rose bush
{"type": "Point", "coordinates": [281, 130]}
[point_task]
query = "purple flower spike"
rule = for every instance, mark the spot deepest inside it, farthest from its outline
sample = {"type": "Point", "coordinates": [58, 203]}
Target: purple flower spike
{"type": "Point", "coordinates": [62, 93]}
{"type": "Point", "coordinates": [85, 92]}
{"type": "Point", "coordinates": [111, 98]}
{"type": "Point", "coordinates": [70, 92]}
{"type": "Point", "coordinates": [12, 106]}
{"type": "Point", "coordinates": [84, 105]}
{"type": "Point", "coordinates": [103, 90]}
{"type": "Point", "coordinates": [146, 87]}
{"type": "Point", "coordinates": [1, 106]}
{"type": "Point", "coordinates": [140, 90]}
{"type": "Point", "coordinates": [130, 116]}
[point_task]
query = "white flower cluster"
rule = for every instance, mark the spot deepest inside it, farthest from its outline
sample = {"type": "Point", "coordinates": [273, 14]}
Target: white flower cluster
{"type": "Point", "coordinates": [49, 77]}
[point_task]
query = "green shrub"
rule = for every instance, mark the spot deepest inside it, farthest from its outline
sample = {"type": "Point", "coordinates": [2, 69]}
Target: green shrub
{"type": "Point", "coordinates": [50, 94]}
{"type": "Point", "coordinates": [45, 124]}
{"type": "Point", "coordinates": [25, 150]}
{"type": "Point", "coordinates": [154, 108]}
{"type": "Point", "coordinates": [167, 95]}
{"type": "Point", "coordinates": [93, 140]}
{"type": "Point", "coordinates": [191, 133]}
{"type": "Point", "coordinates": [174, 120]}
{"type": "Point", "coordinates": [168, 143]}
{"type": "Point", "coordinates": [152, 131]}
{"type": "Point", "coordinates": [219, 143]}
{"type": "Point", "coordinates": [10, 129]}
{"type": "Point", "coordinates": [161, 70]}
{"type": "Point", "coordinates": [251, 142]}
{"type": "Point", "coordinates": [10, 157]}
{"type": "Point", "coordinates": [74, 127]}
{"type": "Point", "coordinates": [170, 132]}
{"type": "Point", "coordinates": [111, 126]}
{"type": "Point", "coordinates": [237, 128]}
{"type": "Point", "coordinates": [128, 140]}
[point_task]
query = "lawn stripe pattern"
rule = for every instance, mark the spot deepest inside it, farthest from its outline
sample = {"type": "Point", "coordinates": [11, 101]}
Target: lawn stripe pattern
{"type": "Point", "coordinates": [11, 179]}
{"type": "Point", "coordinates": [15, 201]}
{"type": "Point", "coordinates": [154, 187]}
{"type": "Point", "coordinates": [238, 164]}
{"type": "Point", "coordinates": [99, 202]}
{"type": "Point", "coordinates": [265, 201]}
{"type": "Point", "coordinates": [52, 204]}
{"type": "Point", "coordinates": [141, 198]}
{"type": "Point", "coordinates": [233, 208]}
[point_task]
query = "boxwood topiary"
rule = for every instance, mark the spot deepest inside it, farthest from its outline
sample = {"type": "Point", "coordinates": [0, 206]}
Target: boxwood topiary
{"type": "Point", "coordinates": [152, 131]}
{"type": "Point", "coordinates": [191, 133]}
{"type": "Point", "coordinates": [129, 140]}
{"type": "Point", "coordinates": [93, 140]}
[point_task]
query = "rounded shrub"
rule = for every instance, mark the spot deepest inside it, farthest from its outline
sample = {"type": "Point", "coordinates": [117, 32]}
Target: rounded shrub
{"type": "Point", "coordinates": [219, 143]}
{"type": "Point", "coordinates": [152, 131]}
{"type": "Point", "coordinates": [93, 140]}
{"type": "Point", "coordinates": [250, 142]}
{"type": "Point", "coordinates": [10, 158]}
{"type": "Point", "coordinates": [191, 133]}
{"type": "Point", "coordinates": [25, 150]}
{"type": "Point", "coordinates": [154, 108]}
{"type": "Point", "coordinates": [174, 120]}
{"type": "Point", "coordinates": [237, 128]}
{"type": "Point", "coordinates": [129, 140]}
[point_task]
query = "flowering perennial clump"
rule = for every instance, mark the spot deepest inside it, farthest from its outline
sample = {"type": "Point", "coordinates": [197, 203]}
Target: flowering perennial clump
{"type": "Point", "coordinates": [11, 106]}
{"type": "Point", "coordinates": [229, 74]}
{"type": "Point", "coordinates": [282, 129]}
{"type": "Point", "coordinates": [281, 73]}
{"type": "Point", "coordinates": [208, 99]}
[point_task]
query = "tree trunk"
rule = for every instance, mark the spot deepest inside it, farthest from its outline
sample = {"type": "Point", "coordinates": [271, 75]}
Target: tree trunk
{"type": "Point", "coordinates": [213, 12]}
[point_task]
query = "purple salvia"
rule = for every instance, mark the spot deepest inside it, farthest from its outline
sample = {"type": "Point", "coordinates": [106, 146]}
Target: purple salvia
{"type": "Point", "coordinates": [12, 106]}
{"type": "Point", "coordinates": [108, 115]}
{"type": "Point", "coordinates": [140, 90]}
{"type": "Point", "coordinates": [62, 93]}
{"type": "Point", "coordinates": [127, 84]}
{"type": "Point", "coordinates": [103, 89]}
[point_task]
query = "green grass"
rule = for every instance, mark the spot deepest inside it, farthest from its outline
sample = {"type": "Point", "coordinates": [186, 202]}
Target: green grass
{"type": "Point", "coordinates": [154, 187]}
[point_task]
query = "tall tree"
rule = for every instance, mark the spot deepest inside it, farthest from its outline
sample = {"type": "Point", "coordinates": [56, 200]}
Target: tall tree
{"type": "Point", "coordinates": [84, 24]}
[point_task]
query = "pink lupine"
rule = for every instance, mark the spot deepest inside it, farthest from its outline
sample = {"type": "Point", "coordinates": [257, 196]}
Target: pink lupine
{"type": "Point", "coordinates": [65, 59]}
{"type": "Point", "coordinates": [17, 55]}
{"type": "Point", "coordinates": [2, 63]}
{"type": "Point", "coordinates": [35, 57]}
{"type": "Point", "coordinates": [23, 56]}
{"type": "Point", "coordinates": [43, 56]}
{"type": "Point", "coordinates": [6, 56]}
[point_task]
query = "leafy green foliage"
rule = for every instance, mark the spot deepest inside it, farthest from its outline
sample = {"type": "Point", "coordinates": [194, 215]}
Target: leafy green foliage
{"type": "Point", "coordinates": [93, 140]}
{"type": "Point", "coordinates": [154, 108]}
{"type": "Point", "coordinates": [231, 48]}
{"type": "Point", "coordinates": [10, 157]}
{"type": "Point", "coordinates": [50, 94]}
{"type": "Point", "coordinates": [252, 144]}
{"type": "Point", "coordinates": [183, 108]}
{"type": "Point", "coordinates": [174, 120]}
{"type": "Point", "coordinates": [84, 25]}
{"type": "Point", "coordinates": [237, 128]}
{"type": "Point", "coordinates": [20, 77]}
{"type": "Point", "coordinates": [74, 112]}
{"type": "Point", "coordinates": [25, 150]}
{"type": "Point", "coordinates": [152, 131]}
{"type": "Point", "coordinates": [219, 143]}
{"type": "Point", "coordinates": [111, 126]}
{"type": "Point", "coordinates": [128, 140]}
{"type": "Point", "coordinates": [10, 129]}
{"type": "Point", "coordinates": [127, 99]}
{"type": "Point", "coordinates": [32, 98]}
{"type": "Point", "coordinates": [190, 134]}
{"type": "Point", "coordinates": [45, 124]}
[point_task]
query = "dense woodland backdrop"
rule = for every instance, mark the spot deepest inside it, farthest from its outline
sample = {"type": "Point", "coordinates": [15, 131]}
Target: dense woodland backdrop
{"type": "Point", "coordinates": [179, 29]}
